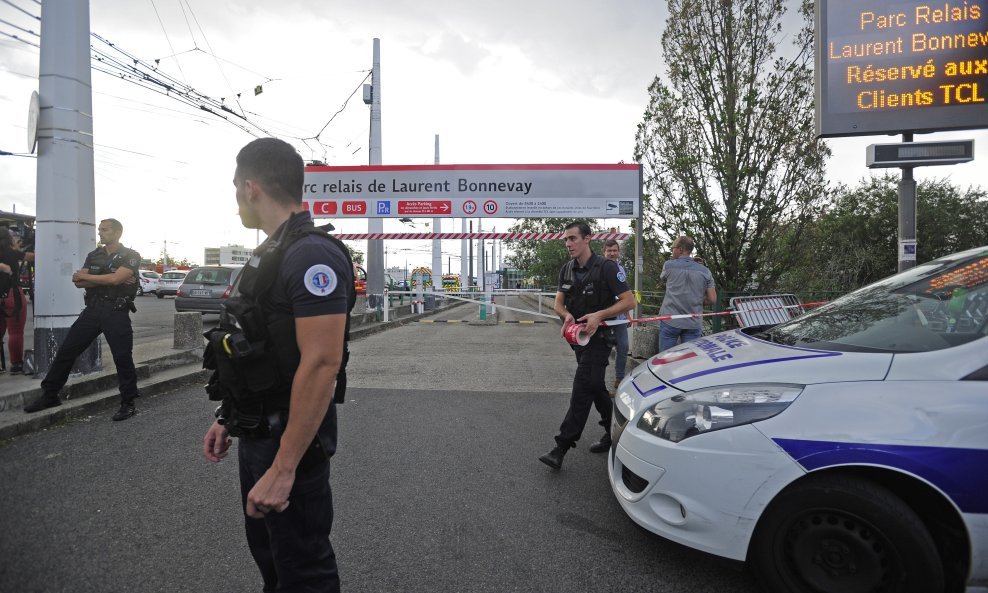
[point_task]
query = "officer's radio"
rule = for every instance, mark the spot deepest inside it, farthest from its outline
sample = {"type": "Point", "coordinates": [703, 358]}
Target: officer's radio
{"type": "Point", "coordinates": [236, 345]}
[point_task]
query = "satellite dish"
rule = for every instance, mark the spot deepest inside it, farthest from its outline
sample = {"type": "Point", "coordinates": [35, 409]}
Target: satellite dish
{"type": "Point", "coordinates": [33, 110]}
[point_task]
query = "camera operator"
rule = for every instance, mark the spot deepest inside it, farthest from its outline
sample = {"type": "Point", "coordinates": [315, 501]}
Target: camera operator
{"type": "Point", "coordinates": [13, 313]}
{"type": "Point", "coordinates": [109, 276]}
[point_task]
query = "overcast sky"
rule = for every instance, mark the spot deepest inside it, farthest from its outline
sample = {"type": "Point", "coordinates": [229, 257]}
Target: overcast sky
{"type": "Point", "coordinates": [499, 82]}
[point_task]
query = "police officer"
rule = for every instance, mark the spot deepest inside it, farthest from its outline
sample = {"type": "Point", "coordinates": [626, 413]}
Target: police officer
{"type": "Point", "coordinates": [109, 276]}
{"type": "Point", "coordinates": [591, 290]}
{"type": "Point", "coordinates": [277, 353]}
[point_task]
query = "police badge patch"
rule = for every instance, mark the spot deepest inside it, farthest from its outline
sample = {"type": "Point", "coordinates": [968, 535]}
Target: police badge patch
{"type": "Point", "coordinates": [621, 276]}
{"type": "Point", "coordinates": [320, 280]}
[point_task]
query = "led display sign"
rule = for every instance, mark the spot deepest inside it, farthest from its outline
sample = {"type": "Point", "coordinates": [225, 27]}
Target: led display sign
{"type": "Point", "coordinates": [893, 66]}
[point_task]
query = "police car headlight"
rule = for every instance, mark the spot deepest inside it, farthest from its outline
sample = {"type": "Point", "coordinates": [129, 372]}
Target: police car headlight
{"type": "Point", "coordinates": [705, 410]}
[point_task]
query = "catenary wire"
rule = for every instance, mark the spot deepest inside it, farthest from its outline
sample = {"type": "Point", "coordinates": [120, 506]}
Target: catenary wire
{"type": "Point", "coordinates": [16, 38]}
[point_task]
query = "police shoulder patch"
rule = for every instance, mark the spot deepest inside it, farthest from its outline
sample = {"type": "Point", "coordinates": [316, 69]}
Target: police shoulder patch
{"type": "Point", "coordinates": [320, 280]}
{"type": "Point", "coordinates": [621, 276]}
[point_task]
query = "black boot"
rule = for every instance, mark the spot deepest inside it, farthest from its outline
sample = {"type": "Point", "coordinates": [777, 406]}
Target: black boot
{"type": "Point", "coordinates": [602, 445]}
{"type": "Point", "coordinates": [126, 410]}
{"type": "Point", "coordinates": [554, 458]}
{"type": "Point", "coordinates": [48, 399]}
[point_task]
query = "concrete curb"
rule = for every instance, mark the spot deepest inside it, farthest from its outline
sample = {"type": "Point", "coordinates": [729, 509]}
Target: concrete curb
{"type": "Point", "coordinates": [98, 401]}
{"type": "Point", "coordinates": [106, 379]}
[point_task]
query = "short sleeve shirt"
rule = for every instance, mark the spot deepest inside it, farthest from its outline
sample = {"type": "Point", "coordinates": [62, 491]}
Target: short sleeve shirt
{"type": "Point", "coordinates": [314, 277]}
{"type": "Point", "coordinates": [624, 277]}
{"type": "Point", "coordinates": [686, 284]}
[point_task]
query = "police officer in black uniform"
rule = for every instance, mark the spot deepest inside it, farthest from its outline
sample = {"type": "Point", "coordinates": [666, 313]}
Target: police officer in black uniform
{"type": "Point", "coordinates": [277, 351]}
{"type": "Point", "coordinates": [109, 276]}
{"type": "Point", "coordinates": [591, 289]}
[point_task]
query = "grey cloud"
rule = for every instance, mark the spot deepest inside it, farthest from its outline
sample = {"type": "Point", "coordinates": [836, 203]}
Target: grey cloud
{"type": "Point", "coordinates": [461, 52]}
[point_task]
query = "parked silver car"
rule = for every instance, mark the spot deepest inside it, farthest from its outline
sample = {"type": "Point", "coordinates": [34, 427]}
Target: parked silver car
{"type": "Point", "coordinates": [205, 288]}
{"type": "Point", "coordinates": [169, 282]}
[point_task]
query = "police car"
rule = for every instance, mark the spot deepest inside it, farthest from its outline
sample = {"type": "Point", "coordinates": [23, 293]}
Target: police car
{"type": "Point", "coordinates": [845, 450]}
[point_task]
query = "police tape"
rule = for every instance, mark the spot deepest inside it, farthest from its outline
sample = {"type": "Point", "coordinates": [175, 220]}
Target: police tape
{"type": "Point", "coordinates": [493, 304]}
{"type": "Point", "coordinates": [576, 334]}
{"type": "Point", "coordinates": [471, 235]}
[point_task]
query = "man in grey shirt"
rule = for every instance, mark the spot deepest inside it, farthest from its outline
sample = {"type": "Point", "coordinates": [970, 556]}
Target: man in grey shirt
{"type": "Point", "coordinates": [689, 286]}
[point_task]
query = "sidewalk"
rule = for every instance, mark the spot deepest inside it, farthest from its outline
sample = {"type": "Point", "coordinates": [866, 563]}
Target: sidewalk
{"type": "Point", "coordinates": [160, 368]}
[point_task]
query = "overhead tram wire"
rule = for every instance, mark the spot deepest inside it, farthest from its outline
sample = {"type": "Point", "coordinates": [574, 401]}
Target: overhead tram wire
{"type": "Point", "coordinates": [208, 46]}
{"type": "Point", "coordinates": [16, 38]}
{"type": "Point", "coordinates": [342, 107]}
{"type": "Point", "coordinates": [21, 9]}
{"type": "Point", "coordinates": [150, 77]}
{"type": "Point", "coordinates": [19, 28]}
{"type": "Point", "coordinates": [168, 39]}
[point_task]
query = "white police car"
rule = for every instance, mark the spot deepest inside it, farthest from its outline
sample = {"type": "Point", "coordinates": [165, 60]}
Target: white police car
{"type": "Point", "coordinates": [845, 450]}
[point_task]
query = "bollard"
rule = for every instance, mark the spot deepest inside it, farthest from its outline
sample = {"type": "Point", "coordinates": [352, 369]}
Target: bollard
{"type": "Point", "coordinates": [387, 304]}
{"type": "Point", "coordinates": [188, 331]}
{"type": "Point", "coordinates": [644, 340]}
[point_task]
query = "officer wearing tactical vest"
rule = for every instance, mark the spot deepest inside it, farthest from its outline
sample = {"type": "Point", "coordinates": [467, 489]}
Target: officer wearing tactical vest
{"type": "Point", "coordinates": [109, 276]}
{"type": "Point", "coordinates": [276, 354]}
{"type": "Point", "coordinates": [591, 290]}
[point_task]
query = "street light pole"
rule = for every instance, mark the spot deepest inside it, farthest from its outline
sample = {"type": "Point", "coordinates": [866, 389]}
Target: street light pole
{"type": "Point", "coordinates": [375, 248]}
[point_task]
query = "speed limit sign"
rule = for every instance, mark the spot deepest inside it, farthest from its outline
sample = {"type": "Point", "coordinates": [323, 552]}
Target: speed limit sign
{"type": "Point", "coordinates": [490, 207]}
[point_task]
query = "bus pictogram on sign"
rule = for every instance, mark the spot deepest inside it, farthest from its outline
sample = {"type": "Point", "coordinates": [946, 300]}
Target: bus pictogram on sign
{"type": "Point", "coordinates": [355, 208]}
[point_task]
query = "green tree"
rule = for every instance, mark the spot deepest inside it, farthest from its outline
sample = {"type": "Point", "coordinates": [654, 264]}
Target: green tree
{"type": "Point", "coordinates": [541, 260]}
{"type": "Point", "coordinates": [356, 255]}
{"type": "Point", "coordinates": [855, 241]}
{"type": "Point", "coordinates": [728, 144]}
{"type": "Point", "coordinates": [176, 263]}
{"type": "Point", "coordinates": [654, 254]}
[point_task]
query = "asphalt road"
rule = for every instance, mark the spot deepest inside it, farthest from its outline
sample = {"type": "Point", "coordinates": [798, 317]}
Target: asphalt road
{"type": "Point", "coordinates": [155, 318]}
{"type": "Point", "coordinates": [436, 484]}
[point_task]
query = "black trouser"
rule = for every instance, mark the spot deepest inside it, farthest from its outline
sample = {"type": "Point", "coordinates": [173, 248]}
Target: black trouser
{"type": "Point", "coordinates": [588, 389]}
{"type": "Point", "coordinates": [291, 548]}
{"type": "Point", "coordinates": [97, 318]}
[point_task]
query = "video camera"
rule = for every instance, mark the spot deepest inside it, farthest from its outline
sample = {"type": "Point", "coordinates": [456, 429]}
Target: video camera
{"type": "Point", "coordinates": [24, 233]}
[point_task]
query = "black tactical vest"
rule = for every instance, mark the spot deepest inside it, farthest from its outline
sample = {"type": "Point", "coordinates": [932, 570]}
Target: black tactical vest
{"type": "Point", "coordinates": [590, 295]}
{"type": "Point", "coordinates": [255, 353]}
{"type": "Point", "coordinates": [102, 263]}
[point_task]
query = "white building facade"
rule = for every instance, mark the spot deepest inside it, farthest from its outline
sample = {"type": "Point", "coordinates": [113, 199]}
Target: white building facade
{"type": "Point", "coordinates": [228, 254]}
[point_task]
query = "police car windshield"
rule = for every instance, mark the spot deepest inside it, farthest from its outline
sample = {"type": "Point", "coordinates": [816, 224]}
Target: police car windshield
{"type": "Point", "coordinates": [933, 306]}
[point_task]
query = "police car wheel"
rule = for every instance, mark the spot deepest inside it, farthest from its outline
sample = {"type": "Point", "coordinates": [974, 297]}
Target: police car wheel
{"type": "Point", "coordinates": [843, 534]}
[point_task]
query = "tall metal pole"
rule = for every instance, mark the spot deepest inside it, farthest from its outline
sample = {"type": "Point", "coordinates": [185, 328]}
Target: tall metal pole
{"type": "Point", "coordinates": [375, 248]}
{"type": "Point", "coordinates": [437, 253]}
{"type": "Point", "coordinates": [465, 268]}
{"type": "Point", "coordinates": [639, 242]}
{"type": "Point", "coordinates": [481, 264]}
{"type": "Point", "coordinates": [907, 215]}
{"type": "Point", "coordinates": [66, 201]}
